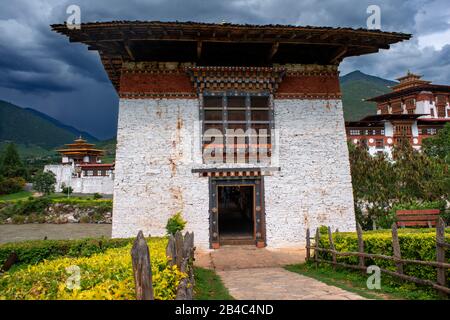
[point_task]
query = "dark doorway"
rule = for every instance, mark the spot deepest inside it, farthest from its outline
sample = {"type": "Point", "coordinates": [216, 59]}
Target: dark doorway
{"type": "Point", "coordinates": [236, 215]}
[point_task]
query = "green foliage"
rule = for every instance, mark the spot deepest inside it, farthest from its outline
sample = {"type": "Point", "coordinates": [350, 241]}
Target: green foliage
{"type": "Point", "coordinates": [97, 196]}
{"type": "Point", "coordinates": [34, 209]}
{"type": "Point", "coordinates": [379, 184]}
{"type": "Point", "coordinates": [44, 182]}
{"type": "Point", "coordinates": [11, 185]}
{"type": "Point", "coordinates": [413, 245]}
{"type": "Point", "coordinates": [33, 252]}
{"type": "Point", "coordinates": [323, 230]}
{"type": "Point", "coordinates": [18, 210]}
{"type": "Point", "coordinates": [439, 145]}
{"type": "Point", "coordinates": [175, 223]}
{"type": "Point", "coordinates": [65, 189]}
{"type": "Point", "coordinates": [10, 164]}
{"type": "Point", "coordinates": [106, 275]}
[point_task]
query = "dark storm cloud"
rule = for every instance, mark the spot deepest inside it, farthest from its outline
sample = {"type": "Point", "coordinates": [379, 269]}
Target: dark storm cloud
{"type": "Point", "coordinates": [41, 69]}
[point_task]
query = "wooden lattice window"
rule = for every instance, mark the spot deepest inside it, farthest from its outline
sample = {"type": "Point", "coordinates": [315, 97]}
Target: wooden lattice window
{"type": "Point", "coordinates": [244, 118]}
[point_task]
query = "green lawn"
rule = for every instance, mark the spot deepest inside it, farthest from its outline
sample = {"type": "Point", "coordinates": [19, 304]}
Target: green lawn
{"type": "Point", "coordinates": [15, 196]}
{"type": "Point", "coordinates": [24, 195]}
{"type": "Point", "coordinates": [209, 286]}
{"type": "Point", "coordinates": [355, 281]}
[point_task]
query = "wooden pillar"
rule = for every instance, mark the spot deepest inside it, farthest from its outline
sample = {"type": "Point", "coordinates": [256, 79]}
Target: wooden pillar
{"type": "Point", "coordinates": [396, 248]}
{"type": "Point", "coordinates": [440, 252]}
{"type": "Point", "coordinates": [308, 245]}
{"type": "Point", "coordinates": [361, 259]}
{"type": "Point", "coordinates": [333, 253]}
{"type": "Point", "coordinates": [142, 269]}
{"type": "Point", "coordinates": [316, 251]}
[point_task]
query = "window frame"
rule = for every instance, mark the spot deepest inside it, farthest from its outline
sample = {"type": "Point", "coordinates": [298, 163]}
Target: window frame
{"type": "Point", "coordinates": [225, 122]}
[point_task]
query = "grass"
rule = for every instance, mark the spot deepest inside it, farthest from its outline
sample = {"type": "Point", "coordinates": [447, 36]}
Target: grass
{"type": "Point", "coordinates": [209, 286]}
{"type": "Point", "coordinates": [56, 197]}
{"type": "Point", "coordinates": [15, 196]}
{"type": "Point", "coordinates": [353, 281]}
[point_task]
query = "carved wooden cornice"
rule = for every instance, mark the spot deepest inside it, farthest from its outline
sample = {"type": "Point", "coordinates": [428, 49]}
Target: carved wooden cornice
{"type": "Point", "coordinates": [236, 78]}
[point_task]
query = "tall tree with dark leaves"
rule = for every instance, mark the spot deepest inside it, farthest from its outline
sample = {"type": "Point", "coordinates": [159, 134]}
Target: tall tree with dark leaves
{"type": "Point", "coordinates": [439, 145]}
{"type": "Point", "coordinates": [10, 164]}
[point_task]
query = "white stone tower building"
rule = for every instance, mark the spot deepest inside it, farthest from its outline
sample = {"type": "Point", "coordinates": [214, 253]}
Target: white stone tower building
{"type": "Point", "coordinates": [239, 127]}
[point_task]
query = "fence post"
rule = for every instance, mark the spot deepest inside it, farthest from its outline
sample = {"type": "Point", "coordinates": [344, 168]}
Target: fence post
{"type": "Point", "coordinates": [308, 245]}
{"type": "Point", "coordinates": [440, 252]}
{"type": "Point", "coordinates": [171, 251]}
{"type": "Point", "coordinates": [316, 251]}
{"type": "Point", "coordinates": [142, 269]}
{"type": "Point", "coordinates": [179, 248]}
{"type": "Point", "coordinates": [333, 254]}
{"type": "Point", "coordinates": [361, 262]}
{"type": "Point", "coordinates": [396, 248]}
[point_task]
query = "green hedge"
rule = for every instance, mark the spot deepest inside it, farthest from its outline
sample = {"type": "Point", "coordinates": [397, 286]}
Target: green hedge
{"type": "Point", "coordinates": [414, 245]}
{"type": "Point", "coordinates": [32, 252]}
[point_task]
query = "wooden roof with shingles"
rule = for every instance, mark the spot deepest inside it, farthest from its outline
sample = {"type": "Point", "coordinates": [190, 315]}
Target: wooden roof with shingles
{"type": "Point", "coordinates": [223, 44]}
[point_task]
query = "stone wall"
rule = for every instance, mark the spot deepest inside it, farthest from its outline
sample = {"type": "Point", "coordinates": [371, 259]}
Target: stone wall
{"type": "Point", "coordinates": [63, 174]}
{"type": "Point", "coordinates": [154, 159]}
{"type": "Point", "coordinates": [153, 181]}
{"type": "Point", "coordinates": [314, 186]}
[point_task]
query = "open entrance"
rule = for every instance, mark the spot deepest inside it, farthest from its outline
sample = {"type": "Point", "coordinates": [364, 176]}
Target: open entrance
{"type": "Point", "coordinates": [236, 213]}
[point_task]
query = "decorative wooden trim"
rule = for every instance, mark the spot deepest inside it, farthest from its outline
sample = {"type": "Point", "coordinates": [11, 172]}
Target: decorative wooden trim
{"type": "Point", "coordinates": [235, 78]}
{"type": "Point", "coordinates": [157, 95]}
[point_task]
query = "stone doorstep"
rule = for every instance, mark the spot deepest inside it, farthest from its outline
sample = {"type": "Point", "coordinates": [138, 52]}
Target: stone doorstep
{"type": "Point", "coordinates": [245, 257]}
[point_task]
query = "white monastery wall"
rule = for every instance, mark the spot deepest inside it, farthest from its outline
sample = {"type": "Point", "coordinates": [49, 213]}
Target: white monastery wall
{"type": "Point", "coordinates": [63, 174]}
{"type": "Point", "coordinates": [153, 178]}
{"type": "Point", "coordinates": [314, 186]}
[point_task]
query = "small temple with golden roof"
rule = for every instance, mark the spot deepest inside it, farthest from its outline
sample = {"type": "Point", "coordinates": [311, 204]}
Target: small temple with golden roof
{"type": "Point", "coordinates": [80, 152]}
{"type": "Point", "coordinates": [86, 158]}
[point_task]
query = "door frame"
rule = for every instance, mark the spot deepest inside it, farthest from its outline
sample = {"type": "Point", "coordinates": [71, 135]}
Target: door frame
{"type": "Point", "coordinates": [259, 232]}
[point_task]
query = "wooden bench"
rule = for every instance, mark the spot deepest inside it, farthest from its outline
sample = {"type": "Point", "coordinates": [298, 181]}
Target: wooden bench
{"type": "Point", "coordinates": [417, 218]}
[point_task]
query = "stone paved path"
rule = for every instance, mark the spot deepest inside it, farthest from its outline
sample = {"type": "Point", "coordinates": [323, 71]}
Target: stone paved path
{"type": "Point", "coordinates": [279, 284]}
{"type": "Point", "coordinates": [257, 274]}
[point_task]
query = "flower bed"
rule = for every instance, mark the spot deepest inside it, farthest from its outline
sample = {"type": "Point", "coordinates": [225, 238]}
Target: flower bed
{"type": "Point", "coordinates": [105, 275]}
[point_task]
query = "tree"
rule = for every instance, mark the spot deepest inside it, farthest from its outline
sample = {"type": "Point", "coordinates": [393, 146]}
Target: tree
{"type": "Point", "coordinates": [44, 182]}
{"type": "Point", "coordinates": [373, 185]}
{"type": "Point", "coordinates": [418, 176]}
{"type": "Point", "coordinates": [439, 145]}
{"type": "Point", "coordinates": [380, 183]}
{"type": "Point", "coordinates": [10, 164]}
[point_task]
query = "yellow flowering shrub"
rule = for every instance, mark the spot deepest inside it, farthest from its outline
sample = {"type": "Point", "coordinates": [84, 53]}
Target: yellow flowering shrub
{"type": "Point", "coordinates": [103, 276]}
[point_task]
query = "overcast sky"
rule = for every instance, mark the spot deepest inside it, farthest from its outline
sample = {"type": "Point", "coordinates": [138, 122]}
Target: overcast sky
{"type": "Point", "coordinates": [42, 70]}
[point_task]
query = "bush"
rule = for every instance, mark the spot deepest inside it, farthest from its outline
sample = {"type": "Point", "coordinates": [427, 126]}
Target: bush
{"type": "Point", "coordinates": [415, 244]}
{"type": "Point", "coordinates": [97, 196]}
{"type": "Point", "coordinates": [66, 190]}
{"type": "Point", "coordinates": [105, 275]}
{"type": "Point", "coordinates": [11, 185]}
{"type": "Point", "coordinates": [44, 182]}
{"type": "Point", "coordinates": [27, 207]}
{"type": "Point", "coordinates": [32, 252]}
{"type": "Point", "coordinates": [175, 223]}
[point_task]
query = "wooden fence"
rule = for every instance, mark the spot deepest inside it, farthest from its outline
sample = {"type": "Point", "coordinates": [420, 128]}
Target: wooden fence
{"type": "Point", "coordinates": [180, 250]}
{"type": "Point", "coordinates": [440, 284]}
